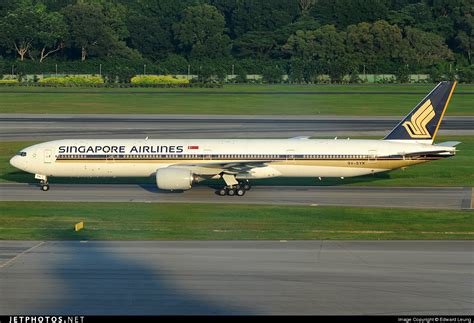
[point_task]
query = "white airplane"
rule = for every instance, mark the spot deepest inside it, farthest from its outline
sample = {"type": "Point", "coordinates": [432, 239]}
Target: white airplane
{"type": "Point", "coordinates": [177, 164]}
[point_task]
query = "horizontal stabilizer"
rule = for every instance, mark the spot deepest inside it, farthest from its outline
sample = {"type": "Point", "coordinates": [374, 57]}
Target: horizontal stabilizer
{"type": "Point", "coordinates": [425, 153]}
{"type": "Point", "coordinates": [449, 144]}
{"type": "Point", "coordinates": [300, 138]}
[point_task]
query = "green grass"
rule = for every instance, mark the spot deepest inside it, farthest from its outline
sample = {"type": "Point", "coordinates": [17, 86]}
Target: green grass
{"type": "Point", "coordinates": [454, 171]}
{"type": "Point", "coordinates": [121, 102]}
{"type": "Point", "coordinates": [141, 221]}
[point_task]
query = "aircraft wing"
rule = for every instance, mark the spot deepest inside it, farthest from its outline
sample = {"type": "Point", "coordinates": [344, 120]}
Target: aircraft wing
{"type": "Point", "coordinates": [230, 167]}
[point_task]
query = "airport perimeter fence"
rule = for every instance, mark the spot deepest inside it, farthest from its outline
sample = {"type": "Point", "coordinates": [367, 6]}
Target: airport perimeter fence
{"type": "Point", "coordinates": [196, 80]}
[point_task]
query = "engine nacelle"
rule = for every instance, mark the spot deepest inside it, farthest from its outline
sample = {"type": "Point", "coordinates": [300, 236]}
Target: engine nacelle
{"type": "Point", "coordinates": [174, 179]}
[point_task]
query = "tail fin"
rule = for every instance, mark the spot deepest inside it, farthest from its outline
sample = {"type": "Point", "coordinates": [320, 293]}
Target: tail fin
{"type": "Point", "coordinates": [422, 123]}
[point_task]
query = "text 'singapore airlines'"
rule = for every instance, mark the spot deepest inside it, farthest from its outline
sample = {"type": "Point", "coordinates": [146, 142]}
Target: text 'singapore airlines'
{"type": "Point", "coordinates": [178, 164]}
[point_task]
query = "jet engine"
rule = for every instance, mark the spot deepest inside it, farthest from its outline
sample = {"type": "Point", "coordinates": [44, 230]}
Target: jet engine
{"type": "Point", "coordinates": [174, 179]}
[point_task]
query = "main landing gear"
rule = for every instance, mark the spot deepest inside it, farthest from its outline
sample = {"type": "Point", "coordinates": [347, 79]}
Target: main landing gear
{"type": "Point", "coordinates": [238, 189]}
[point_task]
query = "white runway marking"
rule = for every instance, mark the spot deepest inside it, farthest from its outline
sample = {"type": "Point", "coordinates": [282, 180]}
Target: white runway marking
{"type": "Point", "coordinates": [21, 254]}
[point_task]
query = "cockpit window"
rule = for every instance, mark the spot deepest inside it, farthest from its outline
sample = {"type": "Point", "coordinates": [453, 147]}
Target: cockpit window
{"type": "Point", "coordinates": [21, 153]}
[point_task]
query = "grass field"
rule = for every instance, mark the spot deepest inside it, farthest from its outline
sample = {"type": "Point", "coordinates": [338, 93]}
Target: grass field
{"type": "Point", "coordinates": [140, 221]}
{"type": "Point", "coordinates": [455, 171]}
{"type": "Point", "coordinates": [190, 101]}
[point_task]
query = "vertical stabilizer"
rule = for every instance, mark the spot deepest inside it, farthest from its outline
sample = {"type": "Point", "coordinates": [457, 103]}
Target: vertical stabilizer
{"type": "Point", "coordinates": [422, 123]}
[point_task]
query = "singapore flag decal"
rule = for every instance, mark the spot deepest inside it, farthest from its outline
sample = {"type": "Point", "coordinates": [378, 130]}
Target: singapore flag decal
{"type": "Point", "coordinates": [193, 147]}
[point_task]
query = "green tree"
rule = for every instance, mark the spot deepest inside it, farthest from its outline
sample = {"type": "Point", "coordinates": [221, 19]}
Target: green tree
{"type": "Point", "coordinates": [174, 64]}
{"type": "Point", "coordinates": [20, 28]}
{"type": "Point", "coordinates": [87, 29]}
{"type": "Point", "coordinates": [52, 33]}
{"type": "Point", "coordinates": [360, 44]}
{"type": "Point", "coordinates": [343, 13]}
{"type": "Point", "coordinates": [56, 5]}
{"type": "Point", "coordinates": [301, 45]}
{"type": "Point", "coordinates": [255, 44]}
{"type": "Point", "coordinates": [149, 36]}
{"type": "Point", "coordinates": [388, 40]}
{"type": "Point", "coordinates": [325, 43]}
{"type": "Point", "coordinates": [464, 39]}
{"type": "Point", "coordinates": [150, 23]}
{"type": "Point", "coordinates": [339, 68]}
{"type": "Point", "coordinates": [258, 15]}
{"type": "Point", "coordinates": [402, 74]}
{"type": "Point", "coordinates": [304, 71]}
{"type": "Point", "coordinates": [200, 33]}
{"type": "Point", "coordinates": [465, 43]}
{"type": "Point", "coordinates": [441, 72]}
{"type": "Point", "coordinates": [98, 29]}
{"type": "Point", "coordinates": [272, 74]}
{"type": "Point", "coordinates": [466, 74]}
{"type": "Point", "coordinates": [7, 6]}
{"type": "Point", "coordinates": [417, 15]}
{"type": "Point", "coordinates": [329, 43]}
{"type": "Point", "coordinates": [425, 49]}
{"type": "Point", "coordinates": [115, 16]}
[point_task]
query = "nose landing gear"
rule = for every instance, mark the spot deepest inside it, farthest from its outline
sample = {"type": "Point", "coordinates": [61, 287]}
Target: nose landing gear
{"type": "Point", "coordinates": [43, 182]}
{"type": "Point", "coordinates": [44, 186]}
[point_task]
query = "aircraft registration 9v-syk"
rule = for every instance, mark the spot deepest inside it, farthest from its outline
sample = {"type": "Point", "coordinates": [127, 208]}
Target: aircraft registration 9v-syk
{"type": "Point", "coordinates": [178, 164]}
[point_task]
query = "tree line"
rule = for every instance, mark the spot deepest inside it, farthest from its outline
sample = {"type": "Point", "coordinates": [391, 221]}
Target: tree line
{"type": "Point", "coordinates": [301, 38]}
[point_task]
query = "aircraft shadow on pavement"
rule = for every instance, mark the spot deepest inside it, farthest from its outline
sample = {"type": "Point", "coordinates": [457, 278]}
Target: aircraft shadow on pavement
{"type": "Point", "coordinates": [149, 184]}
{"type": "Point", "coordinates": [93, 279]}
{"type": "Point", "coordinates": [152, 188]}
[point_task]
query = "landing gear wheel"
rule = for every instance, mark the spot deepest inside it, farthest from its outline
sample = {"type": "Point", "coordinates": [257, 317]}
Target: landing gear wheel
{"type": "Point", "coordinates": [43, 182]}
{"type": "Point", "coordinates": [240, 192]}
{"type": "Point", "coordinates": [231, 192]}
{"type": "Point", "coordinates": [222, 191]}
{"type": "Point", "coordinates": [245, 185]}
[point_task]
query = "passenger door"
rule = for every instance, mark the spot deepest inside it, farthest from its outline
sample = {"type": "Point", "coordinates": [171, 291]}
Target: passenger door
{"type": "Point", "coordinates": [372, 156]}
{"type": "Point", "coordinates": [207, 154]}
{"type": "Point", "coordinates": [290, 154]}
{"type": "Point", "coordinates": [48, 156]}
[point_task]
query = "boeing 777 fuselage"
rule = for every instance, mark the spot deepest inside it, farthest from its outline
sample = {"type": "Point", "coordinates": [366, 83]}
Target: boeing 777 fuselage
{"type": "Point", "coordinates": [177, 164]}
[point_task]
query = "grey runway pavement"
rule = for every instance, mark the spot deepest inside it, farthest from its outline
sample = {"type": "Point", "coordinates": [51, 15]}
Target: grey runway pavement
{"type": "Point", "coordinates": [50, 127]}
{"type": "Point", "coordinates": [237, 277]}
{"type": "Point", "coordinates": [398, 197]}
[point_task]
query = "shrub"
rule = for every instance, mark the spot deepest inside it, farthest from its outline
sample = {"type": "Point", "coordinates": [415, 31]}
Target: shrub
{"type": "Point", "coordinates": [402, 74]}
{"type": "Point", "coordinates": [354, 77]}
{"type": "Point", "coordinates": [9, 82]}
{"type": "Point", "coordinates": [157, 80]}
{"type": "Point", "coordinates": [272, 74]}
{"type": "Point", "coordinates": [338, 68]}
{"type": "Point", "coordinates": [441, 72]}
{"type": "Point", "coordinates": [466, 74]}
{"type": "Point", "coordinates": [72, 81]}
{"type": "Point", "coordinates": [241, 78]}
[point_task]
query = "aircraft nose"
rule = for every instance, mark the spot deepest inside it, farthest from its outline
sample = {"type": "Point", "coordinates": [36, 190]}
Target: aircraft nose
{"type": "Point", "coordinates": [16, 162]}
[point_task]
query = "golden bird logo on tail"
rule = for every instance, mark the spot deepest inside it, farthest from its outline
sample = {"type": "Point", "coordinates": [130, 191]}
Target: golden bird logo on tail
{"type": "Point", "coordinates": [416, 127]}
